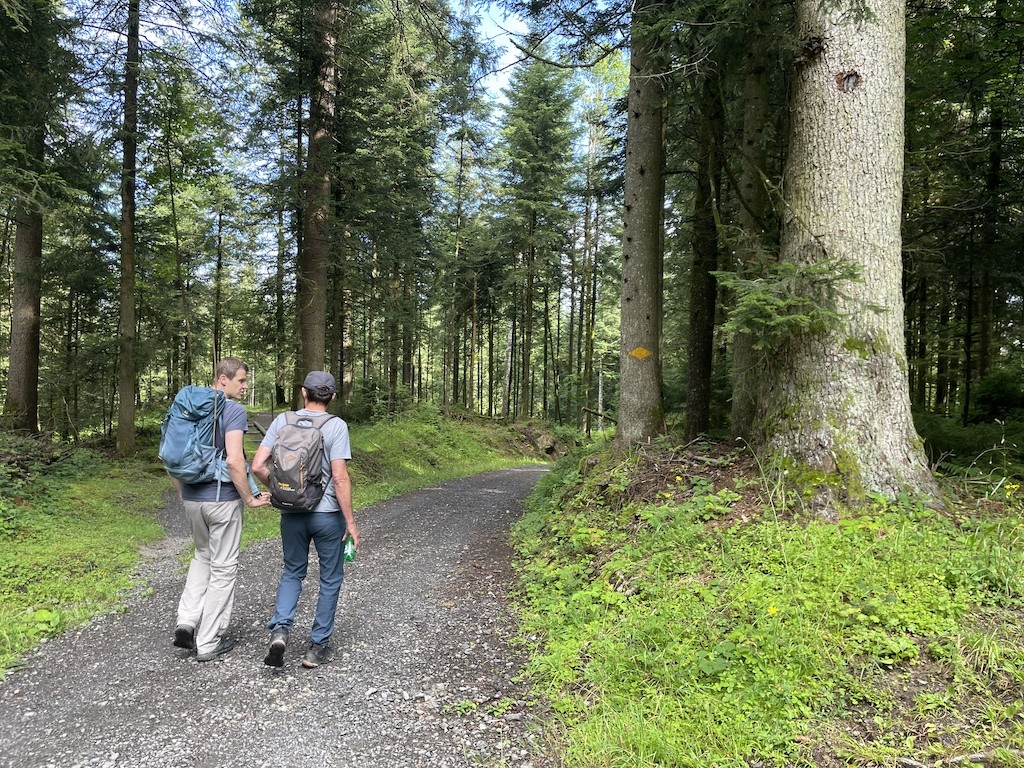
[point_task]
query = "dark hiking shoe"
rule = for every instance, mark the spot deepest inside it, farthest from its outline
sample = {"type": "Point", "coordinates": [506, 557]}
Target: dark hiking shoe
{"type": "Point", "coordinates": [316, 655]}
{"type": "Point", "coordinates": [185, 637]}
{"type": "Point", "coordinates": [223, 647]}
{"type": "Point", "coordinates": [275, 654]}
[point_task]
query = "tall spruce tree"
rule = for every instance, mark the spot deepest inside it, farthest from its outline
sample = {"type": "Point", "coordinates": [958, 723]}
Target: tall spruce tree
{"type": "Point", "coordinates": [126, 370]}
{"type": "Point", "coordinates": [641, 409]}
{"type": "Point", "coordinates": [29, 91]}
{"type": "Point", "coordinates": [758, 226]}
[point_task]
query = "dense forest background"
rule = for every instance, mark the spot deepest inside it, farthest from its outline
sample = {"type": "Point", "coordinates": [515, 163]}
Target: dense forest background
{"type": "Point", "coordinates": [349, 185]}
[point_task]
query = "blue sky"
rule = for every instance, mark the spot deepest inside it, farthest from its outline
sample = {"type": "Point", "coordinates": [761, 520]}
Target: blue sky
{"type": "Point", "coordinates": [497, 28]}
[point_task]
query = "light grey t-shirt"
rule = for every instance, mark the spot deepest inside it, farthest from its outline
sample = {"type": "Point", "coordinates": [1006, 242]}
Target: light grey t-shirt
{"type": "Point", "coordinates": [336, 446]}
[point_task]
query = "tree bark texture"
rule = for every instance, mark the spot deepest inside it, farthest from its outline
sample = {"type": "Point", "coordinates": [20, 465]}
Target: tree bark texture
{"type": "Point", "coordinates": [837, 402]}
{"type": "Point", "coordinates": [126, 295]}
{"type": "Point", "coordinates": [311, 273]}
{"type": "Point", "coordinates": [641, 410]}
{"type": "Point", "coordinates": [21, 408]}
{"type": "Point", "coordinates": [26, 102]}
{"type": "Point", "coordinates": [703, 285]}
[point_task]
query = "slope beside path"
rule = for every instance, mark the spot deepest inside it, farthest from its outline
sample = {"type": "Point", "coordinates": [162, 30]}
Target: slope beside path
{"type": "Point", "coordinates": [424, 674]}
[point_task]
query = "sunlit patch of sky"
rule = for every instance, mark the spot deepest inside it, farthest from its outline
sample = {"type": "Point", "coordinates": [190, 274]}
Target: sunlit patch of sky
{"type": "Point", "coordinates": [499, 29]}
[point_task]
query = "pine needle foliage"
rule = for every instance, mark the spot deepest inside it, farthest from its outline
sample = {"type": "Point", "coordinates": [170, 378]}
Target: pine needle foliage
{"type": "Point", "coordinates": [786, 299]}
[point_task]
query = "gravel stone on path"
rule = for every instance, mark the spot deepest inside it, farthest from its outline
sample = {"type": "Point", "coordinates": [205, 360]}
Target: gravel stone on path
{"type": "Point", "coordinates": [424, 673]}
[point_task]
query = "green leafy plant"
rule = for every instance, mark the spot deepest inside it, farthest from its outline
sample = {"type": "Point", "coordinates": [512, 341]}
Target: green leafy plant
{"type": "Point", "coordinates": [463, 707]}
{"type": "Point", "coordinates": [502, 707]}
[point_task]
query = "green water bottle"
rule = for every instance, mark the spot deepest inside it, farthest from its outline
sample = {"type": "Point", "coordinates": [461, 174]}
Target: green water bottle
{"type": "Point", "coordinates": [350, 550]}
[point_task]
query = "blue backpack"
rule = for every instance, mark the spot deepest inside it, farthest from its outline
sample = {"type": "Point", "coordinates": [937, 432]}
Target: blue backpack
{"type": "Point", "coordinates": [187, 445]}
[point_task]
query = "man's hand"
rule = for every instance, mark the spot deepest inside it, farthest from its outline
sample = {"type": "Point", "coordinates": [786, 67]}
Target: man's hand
{"type": "Point", "coordinates": [258, 500]}
{"type": "Point", "coordinates": [352, 532]}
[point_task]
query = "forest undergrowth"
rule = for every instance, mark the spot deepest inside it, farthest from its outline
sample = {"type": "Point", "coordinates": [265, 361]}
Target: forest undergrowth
{"type": "Point", "coordinates": [681, 609]}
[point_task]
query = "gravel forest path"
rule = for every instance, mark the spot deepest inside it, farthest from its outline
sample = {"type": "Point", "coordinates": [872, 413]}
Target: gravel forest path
{"type": "Point", "coordinates": [424, 676]}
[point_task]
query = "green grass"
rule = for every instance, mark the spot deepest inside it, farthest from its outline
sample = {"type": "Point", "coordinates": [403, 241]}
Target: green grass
{"type": "Point", "coordinates": [72, 520]}
{"type": "Point", "coordinates": [70, 527]}
{"type": "Point", "coordinates": [670, 630]}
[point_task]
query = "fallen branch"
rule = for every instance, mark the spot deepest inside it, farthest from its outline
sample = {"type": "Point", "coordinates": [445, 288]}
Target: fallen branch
{"type": "Point", "coordinates": [600, 414]}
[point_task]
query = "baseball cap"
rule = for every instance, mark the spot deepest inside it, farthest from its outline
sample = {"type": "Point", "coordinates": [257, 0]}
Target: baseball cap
{"type": "Point", "coordinates": [321, 383]}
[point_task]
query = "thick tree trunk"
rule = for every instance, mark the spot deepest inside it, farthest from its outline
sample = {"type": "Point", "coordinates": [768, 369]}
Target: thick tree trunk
{"type": "Point", "coordinates": [836, 408]}
{"type": "Point", "coordinates": [312, 273]}
{"type": "Point", "coordinates": [126, 323]}
{"type": "Point", "coordinates": [641, 410]}
{"type": "Point", "coordinates": [703, 286]}
{"type": "Point", "coordinates": [21, 408]}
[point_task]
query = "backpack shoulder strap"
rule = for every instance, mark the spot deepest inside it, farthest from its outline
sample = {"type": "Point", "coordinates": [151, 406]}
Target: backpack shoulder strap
{"type": "Point", "coordinates": [319, 421]}
{"type": "Point", "coordinates": [217, 401]}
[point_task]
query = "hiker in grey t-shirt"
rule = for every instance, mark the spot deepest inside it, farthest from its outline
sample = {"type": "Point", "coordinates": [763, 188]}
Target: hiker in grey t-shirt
{"type": "Point", "coordinates": [326, 527]}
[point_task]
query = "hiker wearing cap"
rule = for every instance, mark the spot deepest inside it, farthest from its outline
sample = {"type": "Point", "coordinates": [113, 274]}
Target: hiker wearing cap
{"type": "Point", "coordinates": [327, 525]}
{"type": "Point", "coordinates": [214, 512]}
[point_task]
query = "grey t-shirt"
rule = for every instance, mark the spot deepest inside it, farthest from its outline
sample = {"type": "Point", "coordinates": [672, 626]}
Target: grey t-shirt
{"type": "Point", "coordinates": [336, 446]}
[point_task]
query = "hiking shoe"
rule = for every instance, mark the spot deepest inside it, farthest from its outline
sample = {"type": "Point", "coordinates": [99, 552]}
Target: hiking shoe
{"type": "Point", "coordinates": [318, 653]}
{"type": "Point", "coordinates": [223, 647]}
{"type": "Point", "coordinates": [185, 637]}
{"type": "Point", "coordinates": [275, 654]}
